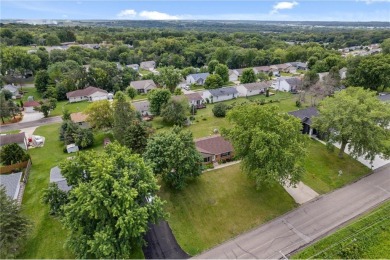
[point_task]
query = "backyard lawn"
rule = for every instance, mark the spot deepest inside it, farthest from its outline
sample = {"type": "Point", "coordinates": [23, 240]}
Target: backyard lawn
{"type": "Point", "coordinates": [219, 205]}
{"type": "Point", "coordinates": [72, 107]}
{"type": "Point", "coordinates": [322, 168]}
{"type": "Point", "coordinates": [366, 238]}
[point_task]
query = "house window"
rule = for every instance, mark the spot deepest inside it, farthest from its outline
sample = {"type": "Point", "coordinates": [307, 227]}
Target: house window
{"type": "Point", "coordinates": [207, 159]}
{"type": "Point", "coordinates": [225, 154]}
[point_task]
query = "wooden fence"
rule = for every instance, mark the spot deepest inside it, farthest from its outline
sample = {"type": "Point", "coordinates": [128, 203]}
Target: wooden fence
{"type": "Point", "coordinates": [12, 167]}
{"type": "Point", "coordinates": [27, 171]}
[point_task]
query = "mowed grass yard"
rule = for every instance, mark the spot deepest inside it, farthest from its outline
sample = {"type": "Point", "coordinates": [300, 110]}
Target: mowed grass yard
{"type": "Point", "coordinates": [366, 238]}
{"type": "Point", "coordinates": [219, 205]}
{"type": "Point", "coordinates": [322, 168]}
{"type": "Point", "coordinates": [47, 237]}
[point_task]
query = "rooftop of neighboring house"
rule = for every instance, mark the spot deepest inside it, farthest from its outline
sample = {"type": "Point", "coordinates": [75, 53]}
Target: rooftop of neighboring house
{"type": "Point", "coordinates": [305, 114]}
{"type": "Point", "coordinates": [384, 97]}
{"type": "Point", "coordinates": [11, 183]}
{"type": "Point", "coordinates": [56, 177]}
{"type": "Point", "coordinates": [11, 88]}
{"type": "Point", "coordinates": [197, 76]}
{"type": "Point", "coordinates": [193, 96]}
{"type": "Point", "coordinates": [141, 105]}
{"type": "Point", "coordinates": [12, 138]}
{"type": "Point", "coordinates": [78, 117]}
{"type": "Point", "coordinates": [31, 103]}
{"type": "Point", "coordinates": [84, 92]}
{"type": "Point", "coordinates": [148, 64]}
{"type": "Point", "coordinates": [142, 84]}
{"type": "Point", "coordinates": [263, 68]}
{"type": "Point", "coordinates": [257, 85]}
{"type": "Point", "coordinates": [213, 145]}
{"type": "Point", "coordinates": [223, 91]}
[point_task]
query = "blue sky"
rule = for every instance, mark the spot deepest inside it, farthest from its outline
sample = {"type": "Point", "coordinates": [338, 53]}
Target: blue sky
{"type": "Point", "coordinates": [291, 10]}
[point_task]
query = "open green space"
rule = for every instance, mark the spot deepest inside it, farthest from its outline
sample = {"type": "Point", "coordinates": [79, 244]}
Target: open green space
{"type": "Point", "coordinates": [322, 168]}
{"type": "Point", "coordinates": [10, 132]}
{"type": "Point", "coordinates": [47, 237]}
{"type": "Point", "coordinates": [366, 238]}
{"type": "Point", "coordinates": [31, 92]}
{"type": "Point", "coordinates": [219, 205]}
{"type": "Point", "coordinates": [72, 107]}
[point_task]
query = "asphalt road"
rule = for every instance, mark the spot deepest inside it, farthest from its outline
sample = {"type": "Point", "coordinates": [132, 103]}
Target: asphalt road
{"type": "Point", "coordinates": [309, 222]}
{"type": "Point", "coordinates": [43, 121]}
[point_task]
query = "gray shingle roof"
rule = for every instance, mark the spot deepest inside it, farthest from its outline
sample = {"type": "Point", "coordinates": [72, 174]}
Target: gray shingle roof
{"type": "Point", "coordinates": [197, 76]}
{"type": "Point", "coordinates": [257, 85]}
{"type": "Point", "coordinates": [84, 92]}
{"type": "Point", "coordinates": [56, 177]}
{"type": "Point", "coordinates": [12, 138]}
{"type": "Point", "coordinates": [11, 183]}
{"type": "Point", "coordinates": [223, 91]}
{"type": "Point", "coordinates": [143, 84]}
{"type": "Point", "coordinates": [305, 114]}
{"type": "Point", "coordinates": [293, 82]}
{"type": "Point", "coordinates": [142, 106]}
{"type": "Point", "coordinates": [384, 98]}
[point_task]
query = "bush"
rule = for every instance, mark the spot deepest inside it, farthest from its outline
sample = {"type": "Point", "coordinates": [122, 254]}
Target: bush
{"type": "Point", "coordinates": [262, 101]}
{"type": "Point", "coordinates": [219, 110]}
{"type": "Point", "coordinates": [298, 103]}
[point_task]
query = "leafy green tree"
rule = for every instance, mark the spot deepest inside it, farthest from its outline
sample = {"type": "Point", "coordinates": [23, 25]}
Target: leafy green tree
{"type": "Point", "coordinates": [262, 76]}
{"type": "Point", "coordinates": [174, 156]}
{"type": "Point", "coordinates": [223, 71]}
{"type": "Point", "coordinates": [131, 92]}
{"type": "Point", "coordinates": [248, 76]}
{"type": "Point", "coordinates": [23, 38]}
{"type": "Point", "coordinates": [68, 130]}
{"type": "Point", "coordinates": [13, 153]}
{"type": "Point", "coordinates": [174, 112]}
{"type": "Point", "coordinates": [13, 225]}
{"type": "Point", "coordinates": [55, 198]}
{"type": "Point", "coordinates": [357, 118]}
{"type": "Point", "coordinates": [213, 81]}
{"type": "Point", "coordinates": [41, 81]}
{"type": "Point", "coordinates": [385, 45]}
{"type": "Point", "coordinates": [158, 98]}
{"type": "Point", "coordinates": [261, 136]}
{"type": "Point", "coordinates": [110, 204]}
{"type": "Point", "coordinates": [123, 115]}
{"type": "Point", "coordinates": [51, 92]}
{"type": "Point", "coordinates": [136, 136]}
{"type": "Point", "coordinates": [170, 77]}
{"type": "Point", "coordinates": [100, 115]}
{"type": "Point", "coordinates": [65, 114]}
{"type": "Point", "coordinates": [83, 137]}
{"type": "Point", "coordinates": [178, 92]}
{"type": "Point", "coordinates": [46, 106]}
{"type": "Point", "coordinates": [52, 40]}
{"type": "Point", "coordinates": [211, 66]}
{"type": "Point", "coordinates": [4, 109]}
{"type": "Point", "coordinates": [13, 108]}
{"type": "Point", "coordinates": [220, 109]}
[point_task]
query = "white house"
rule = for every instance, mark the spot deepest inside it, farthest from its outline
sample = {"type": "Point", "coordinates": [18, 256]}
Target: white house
{"type": "Point", "coordinates": [198, 78]}
{"type": "Point", "coordinates": [251, 89]}
{"type": "Point", "coordinates": [19, 139]}
{"type": "Point", "coordinates": [194, 99]}
{"type": "Point", "coordinates": [13, 89]}
{"type": "Point", "coordinates": [219, 94]}
{"type": "Point", "coordinates": [148, 65]}
{"type": "Point", "coordinates": [29, 106]}
{"type": "Point", "coordinates": [90, 93]}
{"type": "Point", "coordinates": [143, 86]}
{"type": "Point", "coordinates": [233, 75]}
{"type": "Point", "coordinates": [287, 84]}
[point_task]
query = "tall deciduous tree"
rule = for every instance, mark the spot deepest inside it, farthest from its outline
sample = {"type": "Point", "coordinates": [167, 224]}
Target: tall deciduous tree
{"type": "Point", "coordinates": [123, 116]}
{"type": "Point", "coordinates": [4, 109]}
{"type": "Point", "coordinates": [12, 153]}
{"type": "Point", "coordinates": [158, 98]}
{"type": "Point", "coordinates": [213, 81]}
{"type": "Point", "coordinates": [211, 66]}
{"type": "Point", "coordinates": [223, 71]}
{"type": "Point", "coordinates": [170, 77]}
{"type": "Point", "coordinates": [174, 112]}
{"type": "Point", "coordinates": [100, 114]}
{"type": "Point", "coordinates": [41, 80]}
{"type": "Point", "coordinates": [174, 156]}
{"type": "Point", "coordinates": [136, 136]}
{"type": "Point", "coordinates": [111, 203]}
{"type": "Point", "coordinates": [269, 143]}
{"type": "Point", "coordinates": [248, 76]}
{"type": "Point", "coordinates": [131, 92]}
{"type": "Point", "coordinates": [14, 227]}
{"type": "Point", "coordinates": [385, 45]}
{"type": "Point", "coordinates": [357, 118]}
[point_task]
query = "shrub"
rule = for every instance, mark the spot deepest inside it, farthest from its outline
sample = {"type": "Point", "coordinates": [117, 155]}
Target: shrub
{"type": "Point", "coordinates": [219, 110]}
{"type": "Point", "coordinates": [298, 103]}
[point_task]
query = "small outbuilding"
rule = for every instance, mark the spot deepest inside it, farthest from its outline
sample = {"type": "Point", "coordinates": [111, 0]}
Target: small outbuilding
{"type": "Point", "coordinates": [72, 148]}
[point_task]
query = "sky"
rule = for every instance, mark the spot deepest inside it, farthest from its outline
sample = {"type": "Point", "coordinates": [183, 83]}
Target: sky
{"type": "Point", "coordinates": [289, 10]}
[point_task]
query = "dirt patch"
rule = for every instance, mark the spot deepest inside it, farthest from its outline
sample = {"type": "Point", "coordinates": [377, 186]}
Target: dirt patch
{"type": "Point", "coordinates": [12, 120]}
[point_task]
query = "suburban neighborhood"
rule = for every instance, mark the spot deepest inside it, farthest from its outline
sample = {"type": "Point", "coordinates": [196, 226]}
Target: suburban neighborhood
{"type": "Point", "coordinates": [148, 141]}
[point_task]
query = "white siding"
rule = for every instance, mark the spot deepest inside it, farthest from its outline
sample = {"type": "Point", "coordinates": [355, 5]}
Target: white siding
{"type": "Point", "coordinates": [281, 85]}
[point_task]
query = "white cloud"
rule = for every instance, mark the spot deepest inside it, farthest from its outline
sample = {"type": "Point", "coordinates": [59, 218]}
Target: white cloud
{"type": "Point", "coordinates": [64, 16]}
{"type": "Point", "coordinates": [128, 13]}
{"type": "Point", "coordinates": [154, 15]}
{"type": "Point", "coordinates": [372, 1]}
{"type": "Point", "coordinates": [283, 5]}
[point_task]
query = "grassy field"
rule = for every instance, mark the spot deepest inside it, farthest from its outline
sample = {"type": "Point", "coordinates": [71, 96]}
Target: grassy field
{"type": "Point", "coordinates": [47, 237]}
{"type": "Point", "coordinates": [219, 205]}
{"type": "Point", "coordinates": [31, 92]}
{"type": "Point", "coordinates": [72, 107]}
{"type": "Point", "coordinates": [366, 238]}
{"type": "Point", "coordinates": [322, 168]}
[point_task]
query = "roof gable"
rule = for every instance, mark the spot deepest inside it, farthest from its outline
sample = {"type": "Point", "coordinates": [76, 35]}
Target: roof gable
{"type": "Point", "coordinates": [85, 92]}
{"type": "Point", "coordinates": [213, 145]}
{"type": "Point", "coordinates": [223, 91]}
{"type": "Point", "coordinates": [305, 114]}
{"type": "Point", "coordinates": [12, 138]}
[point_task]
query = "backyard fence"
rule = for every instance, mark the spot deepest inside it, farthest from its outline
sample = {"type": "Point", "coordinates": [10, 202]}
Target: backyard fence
{"type": "Point", "coordinates": [12, 167]}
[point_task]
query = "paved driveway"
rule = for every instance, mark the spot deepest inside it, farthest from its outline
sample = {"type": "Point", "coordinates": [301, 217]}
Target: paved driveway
{"type": "Point", "coordinates": [309, 222]}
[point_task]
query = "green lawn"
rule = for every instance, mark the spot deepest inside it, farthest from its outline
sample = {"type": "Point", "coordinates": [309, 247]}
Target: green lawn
{"type": "Point", "coordinates": [10, 132]}
{"type": "Point", "coordinates": [72, 107]}
{"type": "Point", "coordinates": [366, 238]}
{"type": "Point", "coordinates": [31, 92]}
{"type": "Point", "coordinates": [322, 168]}
{"type": "Point", "coordinates": [219, 205]}
{"type": "Point", "coordinates": [47, 237]}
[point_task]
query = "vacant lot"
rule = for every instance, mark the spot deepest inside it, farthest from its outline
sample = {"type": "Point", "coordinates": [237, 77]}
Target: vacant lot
{"type": "Point", "coordinates": [219, 205]}
{"type": "Point", "coordinates": [368, 237]}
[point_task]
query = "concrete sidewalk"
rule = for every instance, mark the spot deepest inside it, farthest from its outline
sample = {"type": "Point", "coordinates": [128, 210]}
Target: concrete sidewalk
{"type": "Point", "coordinates": [309, 222]}
{"type": "Point", "coordinates": [301, 193]}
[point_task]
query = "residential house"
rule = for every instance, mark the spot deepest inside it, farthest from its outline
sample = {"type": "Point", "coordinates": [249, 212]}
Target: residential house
{"type": "Point", "coordinates": [148, 65]}
{"type": "Point", "coordinates": [13, 89]}
{"type": "Point", "coordinates": [384, 97]}
{"type": "Point", "coordinates": [194, 99]}
{"type": "Point", "coordinates": [90, 93]}
{"type": "Point", "coordinates": [306, 115]}
{"type": "Point", "coordinates": [240, 71]}
{"type": "Point", "coordinates": [214, 149]}
{"type": "Point", "coordinates": [283, 67]}
{"type": "Point", "coordinates": [57, 178]}
{"type": "Point", "coordinates": [143, 86]}
{"type": "Point", "coordinates": [80, 119]}
{"type": "Point", "coordinates": [299, 65]}
{"type": "Point", "coordinates": [219, 94]}
{"type": "Point", "coordinates": [11, 183]}
{"type": "Point", "coordinates": [133, 66]}
{"type": "Point", "coordinates": [290, 84]}
{"type": "Point", "coordinates": [251, 89]}
{"type": "Point", "coordinates": [198, 78]}
{"type": "Point", "coordinates": [30, 105]}
{"type": "Point", "coordinates": [19, 138]}
{"type": "Point", "coordinates": [262, 69]}
{"type": "Point", "coordinates": [143, 107]}
{"type": "Point", "coordinates": [233, 75]}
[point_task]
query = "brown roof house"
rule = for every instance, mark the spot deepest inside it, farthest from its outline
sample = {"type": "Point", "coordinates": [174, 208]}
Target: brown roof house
{"type": "Point", "coordinates": [214, 149]}
{"type": "Point", "coordinates": [143, 86]}
{"type": "Point", "coordinates": [81, 119]}
{"type": "Point", "coordinates": [29, 106]}
{"type": "Point", "coordinates": [19, 138]}
{"type": "Point", "coordinates": [89, 93]}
